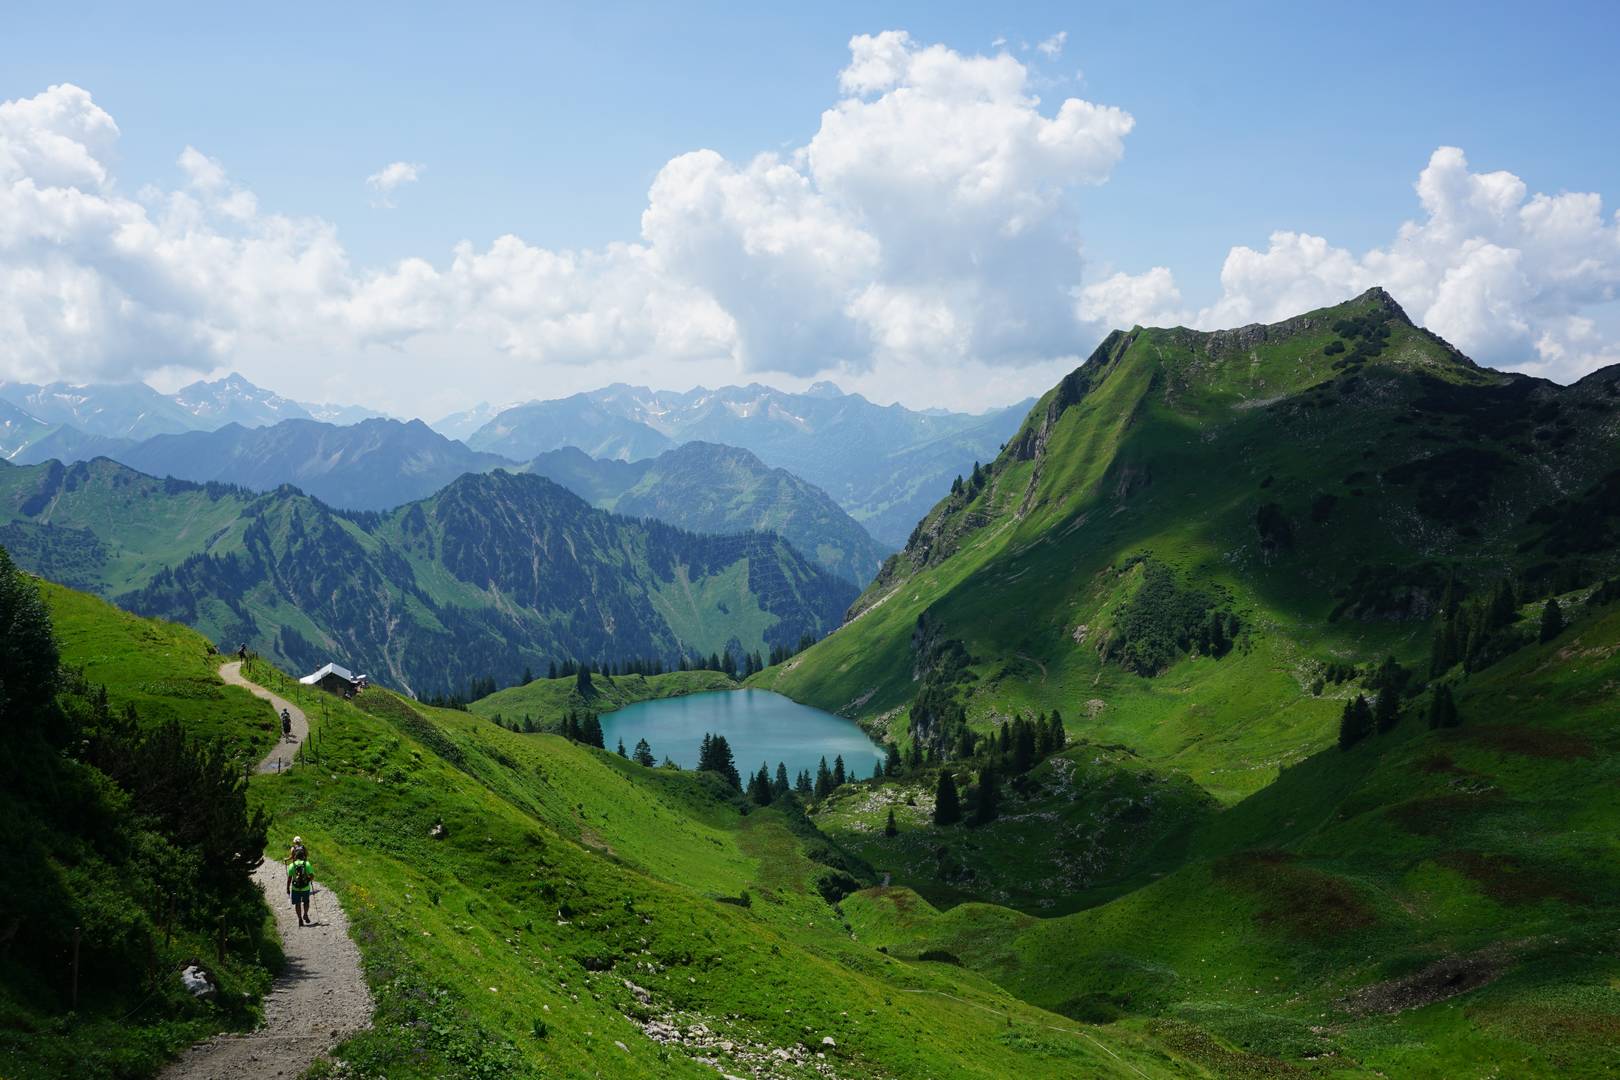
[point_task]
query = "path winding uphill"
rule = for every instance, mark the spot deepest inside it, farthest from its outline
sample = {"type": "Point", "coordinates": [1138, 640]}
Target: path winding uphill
{"type": "Point", "coordinates": [319, 998]}
{"type": "Point", "coordinates": [282, 756]}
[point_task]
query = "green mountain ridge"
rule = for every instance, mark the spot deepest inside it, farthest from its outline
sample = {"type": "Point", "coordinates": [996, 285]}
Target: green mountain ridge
{"type": "Point", "coordinates": [495, 573]}
{"type": "Point", "coordinates": [709, 488]}
{"type": "Point", "coordinates": [1322, 489]}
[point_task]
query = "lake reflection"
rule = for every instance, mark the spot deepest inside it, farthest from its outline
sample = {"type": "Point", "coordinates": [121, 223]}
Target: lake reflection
{"type": "Point", "coordinates": [760, 725]}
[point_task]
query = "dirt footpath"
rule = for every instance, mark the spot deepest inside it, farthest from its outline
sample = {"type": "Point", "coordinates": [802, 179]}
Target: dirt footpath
{"type": "Point", "coordinates": [319, 999]}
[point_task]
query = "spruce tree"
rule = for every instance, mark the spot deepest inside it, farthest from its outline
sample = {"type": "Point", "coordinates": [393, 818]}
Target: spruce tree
{"type": "Point", "coordinates": [1443, 709]}
{"type": "Point", "coordinates": [1386, 710]}
{"type": "Point", "coordinates": [877, 769]}
{"type": "Point", "coordinates": [551, 670]}
{"type": "Point", "coordinates": [621, 749]}
{"type": "Point", "coordinates": [1356, 722]}
{"type": "Point", "coordinates": [582, 680]}
{"type": "Point", "coordinates": [803, 785]}
{"type": "Point", "coordinates": [643, 754]}
{"type": "Point", "coordinates": [1552, 620]}
{"type": "Point", "coordinates": [780, 787]}
{"type": "Point", "coordinates": [759, 785]}
{"type": "Point", "coordinates": [984, 809]}
{"type": "Point", "coordinates": [839, 777]}
{"type": "Point", "coordinates": [947, 804]}
{"type": "Point", "coordinates": [890, 828]}
{"type": "Point", "coordinates": [824, 784]}
{"type": "Point", "coordinates": [591, 732]}
{"type": "Point", "coordinates": [891, 767]}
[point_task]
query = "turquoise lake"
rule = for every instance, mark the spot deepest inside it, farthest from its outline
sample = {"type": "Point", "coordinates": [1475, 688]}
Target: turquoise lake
{"type": "Point", "coordinates": [760, 725]}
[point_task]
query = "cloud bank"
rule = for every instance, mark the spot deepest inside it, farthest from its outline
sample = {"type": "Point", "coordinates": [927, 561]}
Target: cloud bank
{"type": "Point", "coordinates": [924, 243]}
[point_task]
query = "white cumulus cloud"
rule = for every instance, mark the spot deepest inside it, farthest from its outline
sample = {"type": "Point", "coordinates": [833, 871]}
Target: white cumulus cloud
{"type": "Point", "coordinates": [928, 222]}
{"type": "Point", "coordinates": [1511, 278]}
{"type": "Point", "coordinates": [1052, 47]}
{"type": "Point", "coordinates": [390, 177]}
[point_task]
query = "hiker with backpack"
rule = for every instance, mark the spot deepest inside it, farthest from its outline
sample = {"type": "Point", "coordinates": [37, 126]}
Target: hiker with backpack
{"type": "Point", "coordinates": [286, 725]}
{"type": "Point", "coordinates": [300, 882]}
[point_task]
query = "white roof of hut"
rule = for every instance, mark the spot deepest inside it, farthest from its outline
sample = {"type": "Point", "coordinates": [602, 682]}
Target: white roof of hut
{"type": "Point", "coordinates": [330, 669]}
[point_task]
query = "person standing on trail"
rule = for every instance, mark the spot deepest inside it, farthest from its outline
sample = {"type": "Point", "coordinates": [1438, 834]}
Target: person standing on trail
{"type": "Point", "coordinates": [297, 851]}
{"type": "Point", "coordinates": [241, 652]}
{"type": "Point", "coordinates": [286, 725]}
{"type": "Point", "coordinates": [300, 883]}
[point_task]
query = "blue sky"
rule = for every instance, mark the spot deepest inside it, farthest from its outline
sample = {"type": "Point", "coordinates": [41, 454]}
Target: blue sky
{"type": "Point", "coordinates": [552, 123]}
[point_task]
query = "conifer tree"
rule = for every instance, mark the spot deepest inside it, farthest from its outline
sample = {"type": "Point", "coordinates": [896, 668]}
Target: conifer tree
{"type": "Point", "coordinates": [892, 766]}
{"type": "Point", "coordinates": [890, 828]}
{"type": "Point", "coordinates": [759, 785]}
{"type": "Point", "coordinates": [582, 680]}
{"type": "Point", "coordinates": [643, 754]}
{"type": "Point", "coordinates": [591, 732]}
{"type": "Point", "coordinates": [1356, 722]}
{"type": "Point", "coordinates": [715, 756]}
{"type": "Point", "coordinates": [1386, 710]}
{"type": "Point", "coordinates": [803, 785]}
{"type": "Point", "coordinates": [779, 787]}
{"type": "Point", "coordinates": [947, 804]}
{"type": "Point", "coordinates": [621, 749]}
{"type": "Point", "coordinates": [824, 784]}
{"type": "Point", "coordinates": [839, 777]}
{"type": "Point", "coordinates": [877, 769]}
{"type": "Point", "coordinates": [1059, 736]}
{"type": "Point", "coordinates": [984, 809]}
{"type": "Point", "coordinates": [1552, 620]}
{"type": "Point", "coordinates": [551, 670]}
{"type": "Point", "coordinates": [1443, 709]}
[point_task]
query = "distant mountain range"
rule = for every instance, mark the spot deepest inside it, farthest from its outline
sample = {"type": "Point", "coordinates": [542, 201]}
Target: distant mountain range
{"type": "Point", "coordinates": [381, 464]}
{"type": "Point", "coordinates": [135, 411]}
{"type": "Point", "coordinates": [706, 487]}
{"type": "Point", "coordinates": [885, 465]}
{"type": "Point", "coordinates": [372, 465]}
{"type": "Point", "coordinates": [495, 573]}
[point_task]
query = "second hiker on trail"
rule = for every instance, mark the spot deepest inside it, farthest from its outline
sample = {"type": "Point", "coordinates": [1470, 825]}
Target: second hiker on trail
{"type": "Point", "coordinates": [286, 724]}
{"type": "Point", "coordinates": [300, 882]}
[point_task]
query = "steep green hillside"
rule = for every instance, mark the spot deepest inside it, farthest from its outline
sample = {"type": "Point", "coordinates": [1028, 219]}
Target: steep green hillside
{"type": "Point", "coordinates": [709, 488]}
{"type": "Point", "coordinates": [1431, 903]}
{"type": "Point", "coordinates": [1191, 527]}
{"type": "Point", "coordinates": [493, 574]}
{"type": "Point", "coordinates": [123, 816]}
{"type": "Point", "coordinates": [582, 914]}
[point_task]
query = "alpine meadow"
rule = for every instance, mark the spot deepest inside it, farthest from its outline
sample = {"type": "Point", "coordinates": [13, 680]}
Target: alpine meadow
{"type": "Point", "coordinates": [1015, 653]}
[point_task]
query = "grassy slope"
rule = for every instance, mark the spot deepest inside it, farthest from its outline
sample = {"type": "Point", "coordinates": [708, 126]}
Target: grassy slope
{"type": "Point", "coordinates": [165, 672]}
{"type": "Point", "coordinates": [575, 889]}
{"type": "Point", "coordinates": [1034, 577]}
{"type": "Point", "coordinates": [546, 700]}
{"type": "Point", "coordinates": [1479, 859]}
{"type": "Point", "coordinates": [561, 860]}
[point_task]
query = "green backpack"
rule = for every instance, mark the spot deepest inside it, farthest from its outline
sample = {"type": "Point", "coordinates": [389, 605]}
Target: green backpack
{"type": "Point", "coordinates": [301, 876]}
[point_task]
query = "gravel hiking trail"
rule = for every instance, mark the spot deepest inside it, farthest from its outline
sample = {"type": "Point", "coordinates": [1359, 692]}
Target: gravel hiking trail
{"type": "Point", "coordinates": [319, 998]}
{"type": "Point", "coordinates": [282, 756]}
